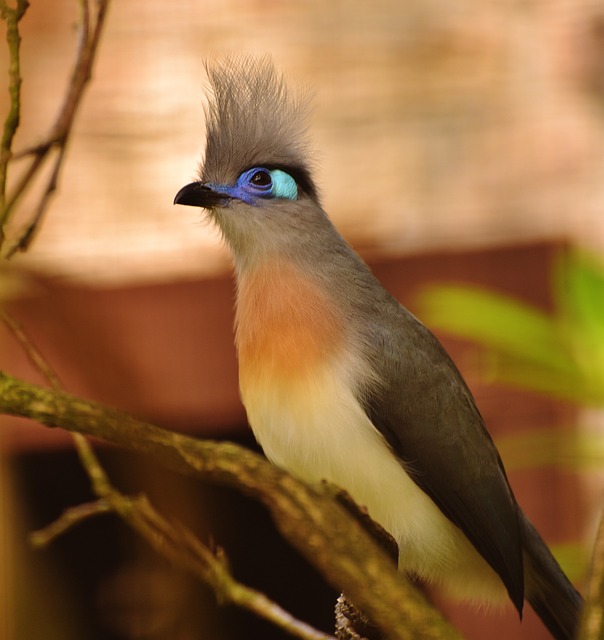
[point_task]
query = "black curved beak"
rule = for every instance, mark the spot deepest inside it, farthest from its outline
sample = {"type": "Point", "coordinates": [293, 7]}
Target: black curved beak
{"type": "Point", "coordinates": [197, 194]}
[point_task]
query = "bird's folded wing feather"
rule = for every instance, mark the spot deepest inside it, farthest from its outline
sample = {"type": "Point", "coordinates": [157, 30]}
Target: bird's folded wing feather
{"type": "Point", "coordinates": [428, 416]}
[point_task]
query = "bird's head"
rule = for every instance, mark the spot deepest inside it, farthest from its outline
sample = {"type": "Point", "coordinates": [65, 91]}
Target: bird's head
{"type": "Point", "coordinates": [255, 180]}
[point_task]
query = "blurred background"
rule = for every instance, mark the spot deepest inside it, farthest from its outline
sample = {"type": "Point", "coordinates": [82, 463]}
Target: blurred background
{"type": "Point", "coordinates": [456, 145]}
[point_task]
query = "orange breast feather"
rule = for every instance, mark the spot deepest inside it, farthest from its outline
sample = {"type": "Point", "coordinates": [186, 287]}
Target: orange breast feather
{"type": "Point", "coordinates": [285, 323]}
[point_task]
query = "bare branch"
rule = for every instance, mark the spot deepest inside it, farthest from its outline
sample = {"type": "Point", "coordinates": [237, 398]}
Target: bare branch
{"type": "Point", "coordinates": [69, 518]}
{"type": "Point", "coordinates": [87, 456]}
{"type": "Point", "coordinates": [184, 550]}
{"type": "Point", "coordinates": [32, 352]}
{"type": "Point", "coordinates": [12, 17]}
{"type": "Point", "coordinates": [90, 25]}
{"type": "Point", "coordinates": [177, 543]}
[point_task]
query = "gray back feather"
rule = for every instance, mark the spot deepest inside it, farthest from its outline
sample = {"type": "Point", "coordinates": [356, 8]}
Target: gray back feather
{"type": "Point", "coordinates": [252, 120]}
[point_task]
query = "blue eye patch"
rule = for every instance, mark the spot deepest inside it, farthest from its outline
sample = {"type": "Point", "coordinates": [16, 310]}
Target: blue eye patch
{"type": "Point", "coordinates": [259, 183]}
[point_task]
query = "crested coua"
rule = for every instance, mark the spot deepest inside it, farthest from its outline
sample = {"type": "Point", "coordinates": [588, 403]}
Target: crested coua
{"type": "Point", "coordinates": [340, 381]}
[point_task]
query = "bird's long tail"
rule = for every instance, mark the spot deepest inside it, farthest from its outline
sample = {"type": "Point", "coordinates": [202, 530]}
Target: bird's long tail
{"type": "Point", "coordinates": [548, 590]}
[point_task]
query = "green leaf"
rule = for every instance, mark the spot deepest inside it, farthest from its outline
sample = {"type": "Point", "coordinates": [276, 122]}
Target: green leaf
{"type": "Point", "coordinates": [579, 287]}
{"type": "Point", "coordinates": [497, 322]}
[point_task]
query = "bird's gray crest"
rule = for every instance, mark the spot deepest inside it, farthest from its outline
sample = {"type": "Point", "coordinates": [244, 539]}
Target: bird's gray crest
{"type": "Point", "coordinates": [253, 120]}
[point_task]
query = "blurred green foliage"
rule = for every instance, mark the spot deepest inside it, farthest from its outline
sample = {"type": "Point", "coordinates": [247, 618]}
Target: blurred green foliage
{"type": "Point", "coordinates": [559, 353]}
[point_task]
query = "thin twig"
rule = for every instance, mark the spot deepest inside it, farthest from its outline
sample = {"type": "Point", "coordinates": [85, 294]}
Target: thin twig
{"type": "Point", "coordinates": [12, 17]}
{"type": "Point", "coordinates": [69, 518]}
{"type": "Point", "coordinates": [34, 354]}
{"type": "Point", "coordinates": [184, 550]}
{"type": "Point", "coordinates": [178, 543]}
{"type": "Point", "coordinates": [24, 181]}
{"type": "Point", "coordinates": [89, 35]}
{"type": "Point", "coordinates": [89, 460]}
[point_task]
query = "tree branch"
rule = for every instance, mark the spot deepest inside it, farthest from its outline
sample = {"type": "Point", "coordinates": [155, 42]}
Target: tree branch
{"type": "Point", "coordinates": [68, 519]}
{"type": "Point", "coordinates": [12, 17]}
{"type": "Point", "coordinates": [314, 522]}
{"type": "Point", "coordinates": [184, 550]}
{"type": "Point", "coordinates": [90, 25]}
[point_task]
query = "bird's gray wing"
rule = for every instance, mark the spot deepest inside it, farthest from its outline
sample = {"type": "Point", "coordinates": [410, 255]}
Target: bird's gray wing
{"type": "Point", "coordinates": [428, 416]}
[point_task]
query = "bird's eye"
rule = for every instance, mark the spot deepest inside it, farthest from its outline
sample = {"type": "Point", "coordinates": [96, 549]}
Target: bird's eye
{"type": "Point", "coordinates": [261, 178]}
{"type": "Point", "coordinates": [265, 184]}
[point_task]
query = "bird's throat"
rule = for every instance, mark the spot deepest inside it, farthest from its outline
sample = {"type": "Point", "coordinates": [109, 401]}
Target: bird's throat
{"type": "Point", "coordinates": [285, 323]}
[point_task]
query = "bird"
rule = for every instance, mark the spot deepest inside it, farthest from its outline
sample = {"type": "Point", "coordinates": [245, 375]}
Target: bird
{"type": "Point", "coordinates": [340, 382]}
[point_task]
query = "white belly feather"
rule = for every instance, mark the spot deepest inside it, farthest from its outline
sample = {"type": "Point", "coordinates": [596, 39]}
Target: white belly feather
{"type": "Point", "coordinates": [316, 429]}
